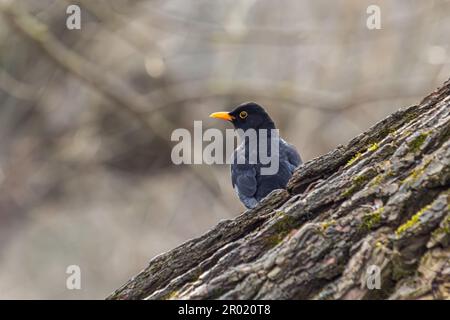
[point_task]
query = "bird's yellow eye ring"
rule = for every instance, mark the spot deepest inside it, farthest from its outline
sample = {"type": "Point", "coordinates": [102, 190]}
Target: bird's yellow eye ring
{"type": "Point", "coordinates": [243, 114]}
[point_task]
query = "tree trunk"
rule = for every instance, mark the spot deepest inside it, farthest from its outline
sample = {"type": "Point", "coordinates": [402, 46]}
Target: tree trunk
{"type": "Point", "coordinates": [380, 203]}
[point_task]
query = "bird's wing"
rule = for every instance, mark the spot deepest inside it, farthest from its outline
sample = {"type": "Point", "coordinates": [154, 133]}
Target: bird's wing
{"type": "Point", "coordinates": [292, 154]}
{"type": "Point", "coordinates": [243, 178]}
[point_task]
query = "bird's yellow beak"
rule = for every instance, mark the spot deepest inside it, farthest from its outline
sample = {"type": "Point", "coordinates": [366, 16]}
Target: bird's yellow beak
{"type": "Point", "coordinates": [222, 115]}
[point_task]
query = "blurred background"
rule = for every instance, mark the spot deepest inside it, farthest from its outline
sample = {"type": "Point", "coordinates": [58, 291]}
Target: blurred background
{"type": "Point", "coordinates": [86, 115]}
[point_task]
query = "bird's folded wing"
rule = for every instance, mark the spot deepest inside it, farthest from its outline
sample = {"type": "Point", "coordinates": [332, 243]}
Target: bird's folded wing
{"type": "Point", "coordinates": [243, 178]}
{"type": "Point", "coordinates": [292, 154]}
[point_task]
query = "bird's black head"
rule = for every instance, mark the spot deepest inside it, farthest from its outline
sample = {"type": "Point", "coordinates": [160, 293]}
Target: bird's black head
{"type": "Point", "coordinates": [248, 115]}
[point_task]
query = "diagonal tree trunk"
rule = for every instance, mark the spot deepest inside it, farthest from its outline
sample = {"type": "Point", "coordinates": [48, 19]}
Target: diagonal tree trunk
{"type": "Point", "coordinates": [378, 204]}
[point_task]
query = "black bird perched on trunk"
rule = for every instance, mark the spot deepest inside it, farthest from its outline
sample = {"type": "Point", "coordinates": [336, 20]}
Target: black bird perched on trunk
{"type": "Point", "coordinates": [248, 178]}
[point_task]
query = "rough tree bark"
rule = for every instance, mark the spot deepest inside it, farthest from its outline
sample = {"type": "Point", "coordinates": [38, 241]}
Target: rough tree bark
{"type": "Point", "coordinates": [381, 200]}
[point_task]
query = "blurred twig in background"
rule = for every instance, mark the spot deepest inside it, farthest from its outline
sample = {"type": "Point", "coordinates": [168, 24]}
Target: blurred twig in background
{"type": "Point", "coordinates": [100, 80]}
{"type": "Point", "coordinates": [16, 88]}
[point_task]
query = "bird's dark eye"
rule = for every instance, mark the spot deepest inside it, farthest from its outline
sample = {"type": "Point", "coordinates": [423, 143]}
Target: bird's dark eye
{"type": "Point", "coordinates": [243, 114]}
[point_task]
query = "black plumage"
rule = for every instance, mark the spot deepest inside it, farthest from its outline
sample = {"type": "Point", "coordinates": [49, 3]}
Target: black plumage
{"type": "Point", "coordinates": [250, 185]}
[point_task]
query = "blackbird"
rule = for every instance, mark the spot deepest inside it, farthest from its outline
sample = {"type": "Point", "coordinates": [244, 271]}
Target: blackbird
{"type": "Point", "coordinates": [247, 178]}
